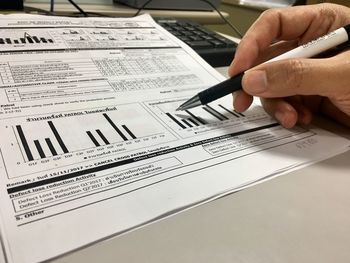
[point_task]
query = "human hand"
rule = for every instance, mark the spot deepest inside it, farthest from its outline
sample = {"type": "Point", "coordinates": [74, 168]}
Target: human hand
{"type": "Point", "coordinates": [292, 90]}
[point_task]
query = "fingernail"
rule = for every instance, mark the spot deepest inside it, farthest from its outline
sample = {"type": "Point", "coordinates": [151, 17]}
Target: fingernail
{"type": "Point", "coordinates": [256, 81]}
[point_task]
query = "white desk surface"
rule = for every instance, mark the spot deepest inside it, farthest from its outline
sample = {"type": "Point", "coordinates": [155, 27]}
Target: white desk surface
{"type": "Point", "coordinates": [303, 216]}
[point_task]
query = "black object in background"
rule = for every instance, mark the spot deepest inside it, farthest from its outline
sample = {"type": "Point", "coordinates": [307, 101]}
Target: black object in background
{"type": "Point", "coordinates": [215, 49]}
{"type": "Point", "coordinates": [170, 4]}
{"type": "Point", "coordinates": [300, 2]}
{"type": "Point", "coordinates": [11, 4]}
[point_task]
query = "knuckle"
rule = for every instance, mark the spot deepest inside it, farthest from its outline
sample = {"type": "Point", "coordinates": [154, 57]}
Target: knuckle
{"type": "Point", "coordinates": [270, 14]}
{"type": "Point", "coordinates": [333, 15]}
{"type": "Point", "coordinates": [327, 14]}
{"type": "Point", "coordinates": [294, 73]}
{"type": "Point", "coordinates": [327, 10]}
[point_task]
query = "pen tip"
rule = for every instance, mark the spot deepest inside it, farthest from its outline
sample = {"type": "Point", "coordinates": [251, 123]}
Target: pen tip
{"type": "Point", "coordinates": [191, 103]}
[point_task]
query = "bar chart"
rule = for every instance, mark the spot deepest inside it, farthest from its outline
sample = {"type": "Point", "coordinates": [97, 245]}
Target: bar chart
{"type": "Point", "coordinates": [72, 134]}
{"type": "Point", "coordinates": [82, 134]}
{"type": "Point", "coordinates": [28, 38]}
{"type": "Point", "coordinates": [218, 115]}
{"type": "Point", "coordinates": [96, 136]}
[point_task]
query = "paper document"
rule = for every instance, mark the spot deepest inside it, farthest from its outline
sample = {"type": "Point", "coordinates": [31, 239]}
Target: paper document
{"type": "Point", "coordinates": [91, 145]}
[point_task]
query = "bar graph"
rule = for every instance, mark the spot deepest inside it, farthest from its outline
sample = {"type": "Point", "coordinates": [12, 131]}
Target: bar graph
{"type": "Point", "coordinates": [96, 137]}
{"type": "Point", "coordinates": [24, 142]}
{"type": "Point", "coordinates": [26, 40]}
{"type": "Point", "coordinates": [40, 150]}
{"type": "Point", "coordinates": [115, 127]}
{"type": "Point", "coordinates": [58, 137]}
{"type": "Point", "coordinates": [203, 119]}
{"type": "Point", "coordinates": [215, 113]}
{"type": "Point", "coordinates": [196, 119]}
{"type": "Point", "coordinates": [29, 38]}
{"type": "Point", "coordinates": [103, 138]}
{"type": "Point", "coordinates": [24, 37]}
{"type": "Point", "coordinates": [93, 139]}
{"type": "Point", "coordinates": [75, 135]}
{"type": "Point", "coordinates": [51, 147]}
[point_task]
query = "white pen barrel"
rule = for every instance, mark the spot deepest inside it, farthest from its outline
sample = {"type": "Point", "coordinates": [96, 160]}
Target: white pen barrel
{"type": "Point", "coordinates": [316, 46]}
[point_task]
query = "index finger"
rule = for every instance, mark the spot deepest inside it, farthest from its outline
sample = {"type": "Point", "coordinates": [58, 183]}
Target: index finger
{"type": "Point", "coordinates": [302, 23]}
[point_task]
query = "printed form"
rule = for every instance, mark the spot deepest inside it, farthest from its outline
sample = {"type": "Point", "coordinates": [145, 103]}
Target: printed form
{"type": "Point", "coordinates": [91, 145]}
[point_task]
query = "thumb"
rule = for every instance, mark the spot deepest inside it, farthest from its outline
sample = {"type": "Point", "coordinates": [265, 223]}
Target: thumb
{"type": "Point", "coordinates": [325, 77]}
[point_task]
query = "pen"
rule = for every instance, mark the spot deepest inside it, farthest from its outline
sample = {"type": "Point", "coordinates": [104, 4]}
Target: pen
{"type": "Point", "coordinates": [233, 84]}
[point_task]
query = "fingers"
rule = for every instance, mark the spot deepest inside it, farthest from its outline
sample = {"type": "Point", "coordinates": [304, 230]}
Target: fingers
{"type": "Point", "coordinates": [298, 24]}
{"type": "Point", "coordinates": [275, 50]}
{"type": "Point", "coordinates": [287, 79]}
{"type": "Point", "coordinates": [282, 111]}
{"type": "Point", "coordinates": [242, 101]}
{"type": "Point", "coordinates": [304, 113]}
{"type": "Point", "coordinates": [295, 26]}
{"type": "Point", "coordinates": [301, 23]}
{"type": "Point", "coordinates": [325, 77]}
{"type": "Point", "coordinates": [287, 113]}
{"type": "Point", "coordinates": [328, 108]}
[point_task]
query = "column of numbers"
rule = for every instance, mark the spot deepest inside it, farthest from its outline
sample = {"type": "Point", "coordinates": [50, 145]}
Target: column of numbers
{"type": "Point", "coordinates": [5, 74]}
